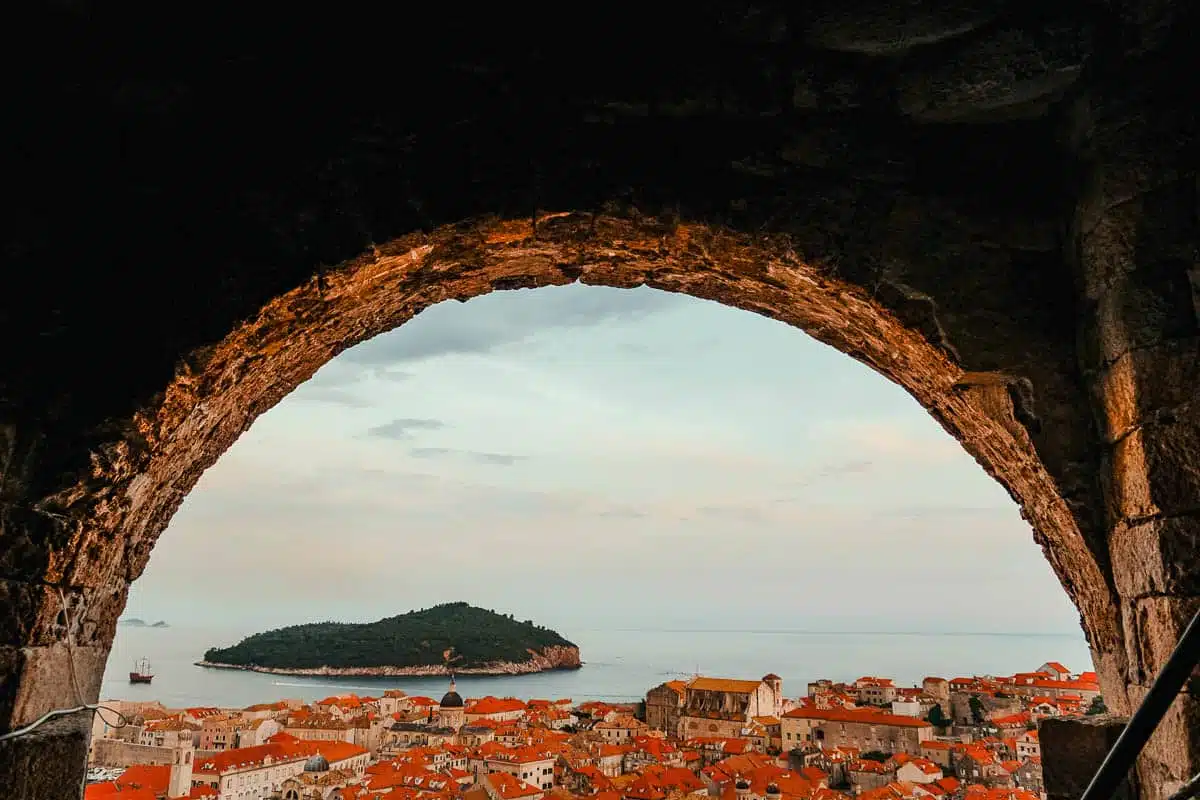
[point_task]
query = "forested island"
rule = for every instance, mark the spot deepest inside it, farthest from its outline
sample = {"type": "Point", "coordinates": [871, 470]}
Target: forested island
{"type": "Point", "coordinates": [134, 622]}
{"type": "Point", "coordinates": [434, 641]}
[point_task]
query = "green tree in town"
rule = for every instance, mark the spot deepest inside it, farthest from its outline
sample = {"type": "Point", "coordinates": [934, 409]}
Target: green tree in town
{"type": "Point", "coordinates": [937, 717]}
{"type": "Point", "coordinates": [876, 755]}
{"type": "Point", "coordinates": [977, 709]}
{"type": "Point", "coordinates": [1097, 706]}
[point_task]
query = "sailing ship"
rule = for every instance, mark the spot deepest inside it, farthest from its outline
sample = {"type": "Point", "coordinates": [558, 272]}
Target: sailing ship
{"type": "Point", "coordinates": [141, 672]}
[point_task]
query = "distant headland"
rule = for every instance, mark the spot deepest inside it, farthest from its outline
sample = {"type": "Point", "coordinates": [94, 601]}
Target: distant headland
{"type": "Point", "coordinates": [134, 622]}
{"type": "Point", "coordinates": [452, 637]}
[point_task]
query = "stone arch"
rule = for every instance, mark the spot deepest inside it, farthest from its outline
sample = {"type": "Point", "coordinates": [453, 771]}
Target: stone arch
{"type": "Point", "coordinates": [143, 477]}
{"type": "Point", "coordinates": [222, 390]}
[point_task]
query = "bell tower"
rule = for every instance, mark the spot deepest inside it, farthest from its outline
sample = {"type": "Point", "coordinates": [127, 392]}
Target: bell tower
{"type": "Point", "coordinates": [180, 782]}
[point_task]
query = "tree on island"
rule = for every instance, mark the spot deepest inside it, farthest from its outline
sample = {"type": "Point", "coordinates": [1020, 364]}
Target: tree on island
{"type": "Point", "coordinates": [473, 636]}
{"type": "Point", "coordinates": [978, 713]}
{"type": "Point", "coordinates": [937, 717]}
{"type": "Point", "coordinates": [1097, 707]}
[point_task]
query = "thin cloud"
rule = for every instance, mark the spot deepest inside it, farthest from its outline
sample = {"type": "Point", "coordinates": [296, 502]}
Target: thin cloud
{"type": "Point", "coordinates": [836, 469]}
{"type": "Point", "coordinates": [498, 459]}
{"type": "Point", "coordinates": [504, 318]}
{"type": "Point", "coordinates": [888, 440]}
{"type": "Point", "coordinates": [334, 396]}
{"type": "Point", "coordinates": [931, 511]}
{"type": "Point", "coordinates": [732, 513]}
{"type": "Point", "coordinates": [622, 513]}
{"type": "Point", "coordinates": [404, 428]}
{"type": "Point", "coordinates": [391, 374]}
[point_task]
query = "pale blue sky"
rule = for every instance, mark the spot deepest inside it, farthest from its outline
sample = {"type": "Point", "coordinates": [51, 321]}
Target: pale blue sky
{"type": "Point", "coordinates": [603, 457]}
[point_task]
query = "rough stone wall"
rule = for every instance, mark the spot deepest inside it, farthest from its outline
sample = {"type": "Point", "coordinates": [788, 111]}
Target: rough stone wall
{"type": "Point", "coordinates": [1135, 247]}
{"type": "Point", "coordinates": [992, 203]}
{"type": "Point", "coordinates": [116, 753]}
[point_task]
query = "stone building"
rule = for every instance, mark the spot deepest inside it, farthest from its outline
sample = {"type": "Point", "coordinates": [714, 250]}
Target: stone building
{"type": "Point", "coordinates": [938, 690]}
{"type": "Point", "coordinates": [621, 729]}
{"type": "Point", "coordinates": [875, 691]}
{"type": "Point", "coordinates": [451, 710]}
{"type": "Point", "coordinates": [318, 727]}
{"type": "Point", "coordinates": [867, 729]}
{"type": "Point", "coordinates": [170, 732]}
{"type": "Point", "coordinates": [725, 707]}
{"type": "Point", "coordinates": [664, 703]}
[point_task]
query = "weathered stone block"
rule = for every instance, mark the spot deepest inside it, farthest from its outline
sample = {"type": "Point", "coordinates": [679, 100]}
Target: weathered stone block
{"type": "Point", "coordinates": [1137, 152]}
{"type": "Point", "coordinates": [34, 614]}
{"type": "Point", "coordinates": [49, 762]}
{"type": "Point", "coordinates": [1112, 671]}
{"type": "Point", "coordinates": [1157, 557]}
{"type": "Point", "coordinates": [996, 75]}
{"type": "Point", "coordinates": [1153, 626]}
{"type": "Point", "coordinates": [1073, 748]}
{"type": "Point", "coordinates": [34, 680]}
{"type": "Point", "coordinates": [1148, 384]}
{"type": "Point", "coordinates": [1155, 470]}
{"type": "Point", "coordinates": [1172, 755]}
{"type": "Point", "coordinates": [1150, 305]}
{"type": "Point", "coordinates": [887, 28]}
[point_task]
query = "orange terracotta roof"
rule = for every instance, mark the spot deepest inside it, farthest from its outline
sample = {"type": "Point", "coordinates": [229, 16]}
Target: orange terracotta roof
{"type": "Point", "coordinates": [276, 751]}
{"type": "Point", "coordinates": [506, 786]}
{"type": "Point", "coordinates": [110, 791]}
{"type": "Point", "coordinates": [723, 685]}
{"type": "Point", "coordinates": [146, 776]}
{"type": "Point", "coordinates": [495, 705]}
{"type": "Point", "coordinates": [1021, 718]}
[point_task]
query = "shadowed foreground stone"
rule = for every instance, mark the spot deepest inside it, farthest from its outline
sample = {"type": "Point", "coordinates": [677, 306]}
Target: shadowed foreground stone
{"type": "Point", "coordinates": [1073, 748]}
{"type": "Point", "coordinates": [44, 764]}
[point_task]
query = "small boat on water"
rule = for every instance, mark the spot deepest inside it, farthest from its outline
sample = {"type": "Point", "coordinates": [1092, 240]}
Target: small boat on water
{"type": "Point", "coordinates": [141, 672]}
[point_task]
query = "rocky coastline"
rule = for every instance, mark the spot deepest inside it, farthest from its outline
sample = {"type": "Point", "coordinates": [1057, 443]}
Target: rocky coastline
{"type": "Point", "coordinates": [546, 660]}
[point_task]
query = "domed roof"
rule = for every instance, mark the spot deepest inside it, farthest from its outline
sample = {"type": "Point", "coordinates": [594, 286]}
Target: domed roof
{"type": "Point", "coordinates": [316, 763]}
{"type": "Point", "coordinates": [452, 699]}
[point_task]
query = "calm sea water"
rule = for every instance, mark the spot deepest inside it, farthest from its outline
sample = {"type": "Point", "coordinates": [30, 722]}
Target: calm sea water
{"type": "Point", "coordinates": [620, 665]}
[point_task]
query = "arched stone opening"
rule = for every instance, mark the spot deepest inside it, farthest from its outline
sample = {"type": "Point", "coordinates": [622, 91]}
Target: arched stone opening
{"type": "Point", "coordinates": [1013, 186]}
{"type": "Point", "coordinates": [218, 394]}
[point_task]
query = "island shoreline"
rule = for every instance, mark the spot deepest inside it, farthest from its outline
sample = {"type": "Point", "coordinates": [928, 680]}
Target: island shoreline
{"type": "Point", "coordinates": [431, 671]}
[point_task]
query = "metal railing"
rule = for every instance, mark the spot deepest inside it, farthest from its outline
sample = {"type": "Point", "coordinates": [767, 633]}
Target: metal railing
{"type": "Point", "coordinates": [1167, 686]}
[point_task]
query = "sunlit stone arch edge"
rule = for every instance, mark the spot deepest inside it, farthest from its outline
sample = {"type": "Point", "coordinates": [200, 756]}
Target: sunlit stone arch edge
{"type": "Point", "coordinates": [138, 482]}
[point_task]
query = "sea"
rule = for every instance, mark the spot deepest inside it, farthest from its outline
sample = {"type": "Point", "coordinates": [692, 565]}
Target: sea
{"type": "Point", "coordinates": [619, 664]}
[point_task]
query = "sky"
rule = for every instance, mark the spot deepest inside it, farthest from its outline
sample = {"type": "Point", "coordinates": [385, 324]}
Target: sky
{"type": "Point", "coordinates": [587, 456]}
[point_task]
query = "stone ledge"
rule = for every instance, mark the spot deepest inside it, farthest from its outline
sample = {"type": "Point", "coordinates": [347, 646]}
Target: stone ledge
{"type": "Point", "coordinates": [47, 763]}
{"type": "Point", "coordinates": [1073, 748]}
